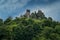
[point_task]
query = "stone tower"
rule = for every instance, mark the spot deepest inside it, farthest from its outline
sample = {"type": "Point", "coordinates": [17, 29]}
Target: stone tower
{"type": "Point", "coordinates": [40, 14]}
{"type": "Point", "coordinates": [27, 14]}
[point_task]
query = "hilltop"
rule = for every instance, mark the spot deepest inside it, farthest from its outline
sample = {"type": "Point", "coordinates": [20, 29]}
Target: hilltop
{"type": "Point", "coordinates": [34, 26]}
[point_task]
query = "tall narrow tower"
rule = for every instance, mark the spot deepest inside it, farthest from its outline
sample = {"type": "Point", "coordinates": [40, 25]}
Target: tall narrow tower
{"type": "Point", "coordinates": [27, 13]}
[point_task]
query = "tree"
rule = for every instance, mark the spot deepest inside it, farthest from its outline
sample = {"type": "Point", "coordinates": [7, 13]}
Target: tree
{"type": "Point", "coordinates": [46, 32]}
{"type": "Point", "coordinates": [33, 15]}
{"type": "Point", "coordinates": [57, 28]}
{"type": "Point", "coordinates": [1, 22]}
{"type": "Point", "coordinates": [8, 20]}
{"type": "Point", "coordinates": [49, 18]}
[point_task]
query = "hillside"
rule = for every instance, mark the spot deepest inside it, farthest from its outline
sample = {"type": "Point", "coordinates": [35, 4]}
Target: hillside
{"type": "Point", "coordinates": [33, 28]}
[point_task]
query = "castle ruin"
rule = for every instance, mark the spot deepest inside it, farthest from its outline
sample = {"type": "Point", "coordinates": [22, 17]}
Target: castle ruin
{"type": "Point", "coordinates": [27, 14]}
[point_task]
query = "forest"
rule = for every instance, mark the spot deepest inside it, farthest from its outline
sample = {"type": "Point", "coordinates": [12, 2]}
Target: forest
{"type": "Point", "coordinates": [36, 27]}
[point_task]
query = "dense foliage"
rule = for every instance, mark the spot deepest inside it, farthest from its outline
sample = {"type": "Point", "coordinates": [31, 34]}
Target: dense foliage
{"type": "Point", "coordinates": [22, 28]}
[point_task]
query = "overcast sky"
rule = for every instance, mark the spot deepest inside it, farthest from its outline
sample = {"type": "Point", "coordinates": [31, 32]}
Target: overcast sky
{"type": "Point", "coordinates": [18, 7]}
